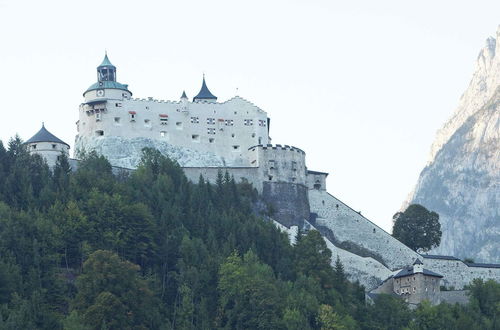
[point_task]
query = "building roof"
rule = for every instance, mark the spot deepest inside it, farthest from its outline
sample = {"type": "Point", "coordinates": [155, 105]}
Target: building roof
{"type": "Point", "coordinates": [106, 62]}
{"type": "Point", "coordinates": [418, 262]}
{"type": "Point", "coordinates": [184, 96]}
{"type": "Point", "coordinates": [473, 264]}
{"type": "Point", "coordinates": [204, 93]}
{"type": "Point", "coordinates": [109, 85]}
{"type": "Point", "coordinates": [45, 136]}
{"type": "Point", "coordinates": [434, 256]}
{"type": "Point", "coordinates": [409, 271]}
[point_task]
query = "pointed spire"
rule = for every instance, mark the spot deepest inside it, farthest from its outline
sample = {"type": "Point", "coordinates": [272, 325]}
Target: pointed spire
{"type": "Point", "coordinates": [184, 96]}
{"type": "Point", "coordinates": [106, 61]}
{"type": "Point", "coordinates": [205, 93]}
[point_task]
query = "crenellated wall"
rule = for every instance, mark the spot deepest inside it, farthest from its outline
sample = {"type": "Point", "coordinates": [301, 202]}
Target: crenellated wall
{"type": "Point", "coordinates": [224, 129]}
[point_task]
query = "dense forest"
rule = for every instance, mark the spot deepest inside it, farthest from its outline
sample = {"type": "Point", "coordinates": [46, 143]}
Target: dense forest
{"type": "Point", "coordinates": [93, 249]}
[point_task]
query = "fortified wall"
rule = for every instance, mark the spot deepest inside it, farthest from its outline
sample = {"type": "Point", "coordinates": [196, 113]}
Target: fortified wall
{"type": "Point", "coordinates": [278, 173]}
{"type": "Point", "coordinates": [349, 230]}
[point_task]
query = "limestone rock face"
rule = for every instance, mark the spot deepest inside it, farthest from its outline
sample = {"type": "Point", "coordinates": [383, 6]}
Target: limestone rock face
{"type": "Point", "coordinates": [461, 181]}
{"type": "Point", "coordinates": [126, 152]}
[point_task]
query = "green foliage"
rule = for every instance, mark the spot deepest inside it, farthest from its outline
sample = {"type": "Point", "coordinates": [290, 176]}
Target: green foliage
{"type": "Point", "coordinates": [88, 249]}
{"type": "Point", "coordinates": [417, 227]}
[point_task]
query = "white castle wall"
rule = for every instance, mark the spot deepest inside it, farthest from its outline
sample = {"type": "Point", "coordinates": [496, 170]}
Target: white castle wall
{"type": "Point", "coordinates": [50, 151]}
{"type": "Point", "coordinates": [279, 163]}
{"type": "Point", "coordinates": [349, 226]}
{"type": "Point", "coordinates": [457, 274]}
{"type": "Point", "coordinates": [225, 129]}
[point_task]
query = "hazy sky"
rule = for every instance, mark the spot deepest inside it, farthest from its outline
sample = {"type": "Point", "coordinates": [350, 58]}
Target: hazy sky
{"type": "Point", "coordinates": [361, 86]}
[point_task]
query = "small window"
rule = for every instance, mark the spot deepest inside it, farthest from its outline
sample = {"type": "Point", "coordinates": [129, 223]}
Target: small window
{"type": "Point", "coordinates": [260, 140]}
{"type": "Point", "coordinates": [270, 178]}
{"type": "Point", "coordinates": [99, 133]}
{"type": "Point", "coordinates": [272, 164]}
{"type": "Point", "coordinates": [117, 120]}
{"type": "Point", "coordinates": [211, 121]}
{"type": "Point", "coordinates": [195, 120]}
{"type": "Point", "coordinates": [232, 135]}
{"type": "Point", "coordinates": [248, 122]}
{"type": "Point", "coordinates": [163, 134]}
{"type": "Point", "coordinates": [211, 140]}
{"type": "Point", "coordinates": [98, 116]}
{"type": "Point", "coordinates": [147, 122]}
{"type": "Point", "coordinates": [253, 135]}
{"type": "Point", "coordinates": [294, 168]}
{"type": "Point", "coordinates": [236, 148]}
{"type": "Point", "coordinates": [163, 119]}
{"type": "Point", "coordinates": [374, 230]}
{"type": "Point", "coordinates": [195, 138]}
{"type": "Point", "coordinates": [54, 146]}
{"type": "Point", "coordinates": [118, 105]}
{"type": "Point", "coordinates": [211, 130]}
{"type": "Point", "coordinates": [33, 146]}
{"type": "Point", "coordinates": [178, 125]}
{"type": "Point", "coordinates": [132, 115]}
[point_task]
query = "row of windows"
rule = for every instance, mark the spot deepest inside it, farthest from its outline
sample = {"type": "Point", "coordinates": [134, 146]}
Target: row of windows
{"type": "Point", "coordinates": [54, 146]}
{"type": "Point", "coordinates": [273, 164]}
{"type": "Point", "coordinates": [164, 120]}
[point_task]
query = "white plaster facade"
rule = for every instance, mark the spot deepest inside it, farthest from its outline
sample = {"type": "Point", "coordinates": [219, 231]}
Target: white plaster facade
{"type": "Point", "coordinates": [50, 151]}
{"type": "Point", "coordinates": [225, 129]}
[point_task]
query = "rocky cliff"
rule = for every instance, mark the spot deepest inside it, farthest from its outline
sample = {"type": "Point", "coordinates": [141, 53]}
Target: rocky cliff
{"type": "Point", "coordinates": [461, 181]}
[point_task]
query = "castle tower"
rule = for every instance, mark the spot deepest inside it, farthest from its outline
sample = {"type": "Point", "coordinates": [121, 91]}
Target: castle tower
{"type": "Point", "coordinates": [47, 145]}
{"type": "Point", "coordinates": [106, 71]}
{"type": "Point", "coordinates": [205, 94]}
{"type": "Point", "coordinates": [106, 86]}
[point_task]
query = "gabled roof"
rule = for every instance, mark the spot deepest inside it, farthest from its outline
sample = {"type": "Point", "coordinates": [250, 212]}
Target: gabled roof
{"type": "Point", "coordinates": [45, 136]}
{"type": "Point", "coordinates": [418, 262]}
{"type": "Point", "coordinates": [409, 271]}
{"type": "Point", "coordinates": [204, 93]}
{"type": "Point", "coordinates": [106, 62]}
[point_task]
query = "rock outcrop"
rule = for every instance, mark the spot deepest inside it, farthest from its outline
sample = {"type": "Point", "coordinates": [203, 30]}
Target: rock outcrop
{"type": "Point", "coordinates": [126, 152]}
{"type": "Point", "coordinates": [461, 181]}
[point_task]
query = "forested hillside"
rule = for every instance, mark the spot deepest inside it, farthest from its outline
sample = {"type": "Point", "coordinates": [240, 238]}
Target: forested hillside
{"type": "Point", "coordinates": [89, 249]}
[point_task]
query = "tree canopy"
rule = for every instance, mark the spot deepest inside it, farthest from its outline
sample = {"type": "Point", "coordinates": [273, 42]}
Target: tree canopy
{"type": "Point", "coordinates": [89, 249]}
{"type": "Point", "coordinates": [417, 227]}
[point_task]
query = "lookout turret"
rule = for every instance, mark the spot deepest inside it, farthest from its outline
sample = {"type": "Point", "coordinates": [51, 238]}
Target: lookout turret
{"type": "Point", "coordinates": [106, 71]}
{"type": "Point", "coordinates": [48, 146]}
{"type": "Point", "coordinates": [106, 85]}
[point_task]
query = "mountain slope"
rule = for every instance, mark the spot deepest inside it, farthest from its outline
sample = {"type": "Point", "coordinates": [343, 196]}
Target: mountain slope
{"type": "Point", "coordinates": [462, 179]}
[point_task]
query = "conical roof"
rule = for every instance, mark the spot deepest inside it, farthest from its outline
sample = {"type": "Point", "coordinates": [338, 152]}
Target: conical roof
{"type": "Point", "coordinates": [184, 96]}
{"type": "Point", "coordinates": [106, 62]}
{"type": "Point", "coordinates": [204, 93]}
{"type": "Point", "coordinates": [45, 136]}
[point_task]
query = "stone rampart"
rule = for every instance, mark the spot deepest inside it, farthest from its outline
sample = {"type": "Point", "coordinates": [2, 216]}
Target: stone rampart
{"type": "Point", "coordinates": [351, 228]}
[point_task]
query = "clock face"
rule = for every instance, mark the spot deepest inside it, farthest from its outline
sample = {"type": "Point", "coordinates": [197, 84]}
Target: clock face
{"type": "Point", "coordinates": [100, 92]}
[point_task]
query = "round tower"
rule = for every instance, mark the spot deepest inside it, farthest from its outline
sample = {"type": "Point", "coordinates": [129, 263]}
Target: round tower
{"type": "Point", "coordinates": [47, 145]}
{"type": "Point", "coordinates": [106, 86]}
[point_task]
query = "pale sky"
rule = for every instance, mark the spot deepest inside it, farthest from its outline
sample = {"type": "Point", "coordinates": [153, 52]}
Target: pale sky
{"type": "Point", "coordinates": [361, 86]}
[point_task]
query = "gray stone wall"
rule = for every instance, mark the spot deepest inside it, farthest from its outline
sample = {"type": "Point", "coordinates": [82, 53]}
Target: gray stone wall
{"type": "Point", "coordinates": [288, 201]}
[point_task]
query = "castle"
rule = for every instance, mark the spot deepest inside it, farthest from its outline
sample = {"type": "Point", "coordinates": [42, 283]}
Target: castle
{"type": "Point", "coordinates": [206, 136]}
